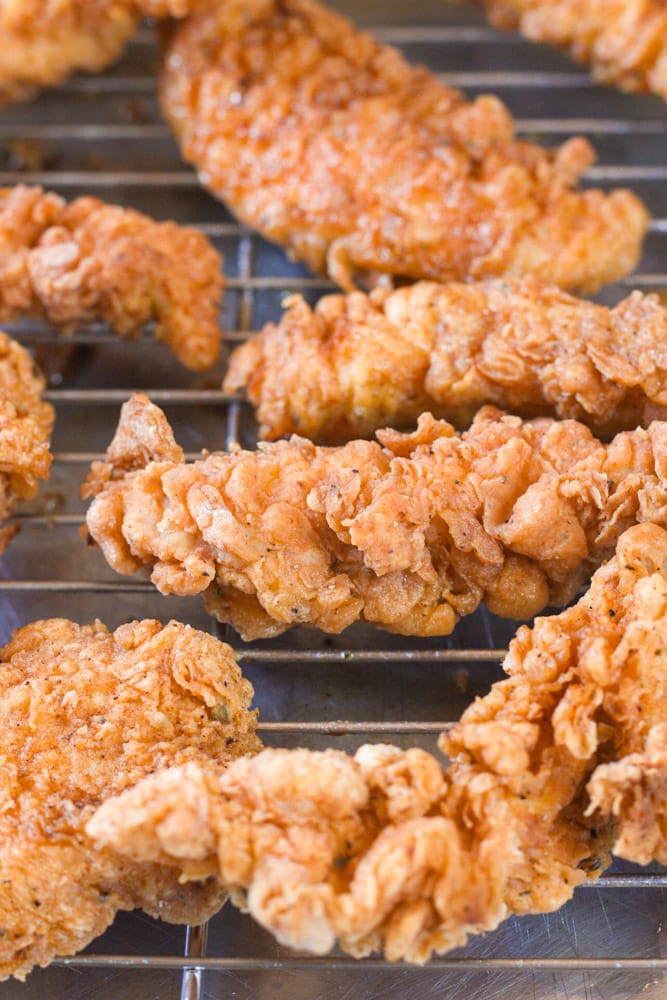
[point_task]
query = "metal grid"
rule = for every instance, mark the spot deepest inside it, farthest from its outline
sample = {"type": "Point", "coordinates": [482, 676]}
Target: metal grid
{"type": "Point", "coordinates": [104, 135]}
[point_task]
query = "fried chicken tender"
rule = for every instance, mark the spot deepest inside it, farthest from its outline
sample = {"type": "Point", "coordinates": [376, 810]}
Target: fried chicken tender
{"type": "Point", "coordinates": [26, 422]}
{"type": "Point", "coordinates": [44, 41]}
{"type": "Point", "coordinates": [408, 532]}
{"type": "Point", "coordinates": [625, 41]}
{"type": "Point", "coordinates": [384, 851]}
{"type": "Point", "coordinates": [361, 165]}
{"type": "Point", "coordinates": [72, 264]}
{"type": "Point", "coordinates": [359, 362]}
{"type": "Point", "coordinates": [85, 714]}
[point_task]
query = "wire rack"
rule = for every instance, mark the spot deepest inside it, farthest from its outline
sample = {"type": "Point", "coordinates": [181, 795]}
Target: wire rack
{"type": "Point", "coordinates": [104, 135]}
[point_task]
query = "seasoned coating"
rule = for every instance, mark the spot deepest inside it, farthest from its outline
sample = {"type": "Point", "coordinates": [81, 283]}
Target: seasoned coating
{"type": "Point", "coordinates": [85, 714]}
{"type": "Point", "coordinates": [409, 533]}
{"type": "Point", "coordinates": [361, 165]}
{"type": "Point", "coordinates": [26, 422]}
{"type": "Point", "coordinates": [600, 671]}
{"type": "Point", "coordinates": [625, 41]}
{"type": "Point", "coordinates": [358, 362]}
{"type": "Point", "coordinates": [43, 41]}
{"type": "Point", "coordinates": [72, 264]}
{"type": "Point", "coordinates": [384, 851]}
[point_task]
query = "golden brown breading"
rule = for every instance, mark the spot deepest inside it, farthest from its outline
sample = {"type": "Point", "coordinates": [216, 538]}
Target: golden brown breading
{"type": "Point", "coordinates": [85, 714]}
{"type": "Point", "coordinates": [408, 536]}
{"type": "Point", "coordinates": [22, 385]}
{"type": "Point", "coordinates": [26, 422]}
{"type": "Point", "coordinates": [75, 263]}
{"type": "Point", "coordinates": [634, 792]}
{"type": "Point", "coordinates": [43, 41]}
{"type": "Point", "coordinates": [384, 851]}
{"type": "Point", "coordinates": [599, 672]}
{"type": "Point", "coordinates": [359, 362]}
{"type": "Point", "coordinates": [625, 41]}
{"type": "Point", "coordinates": [360, 164]}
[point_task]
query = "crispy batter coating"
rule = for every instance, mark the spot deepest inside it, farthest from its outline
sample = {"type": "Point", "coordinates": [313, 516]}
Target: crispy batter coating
{"type": "Point", "coordinates": [359, 362]}
{"type": "Point", "coordinates": [384, 851]}
{"type": "Point", "coordinates": [625, 41]}
{"type": "Point", "coordinates": [26, 422]}
{"type": "Point", "coordinates": [409, 533]}
{"type": "Point", "coordinates": [85, 714]}
{"type": "Point", "coordinates": [72, 264]}
{"type": "Point", "coordinates": [360, 164]}
{"type": "Point", "coordinates": [43, 41]}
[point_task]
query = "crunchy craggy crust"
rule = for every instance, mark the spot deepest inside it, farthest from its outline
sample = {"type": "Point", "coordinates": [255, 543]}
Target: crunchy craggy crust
{"type": "Point", "coordinates": [44, 41]}
{"type": "Point", "coordinates": [75, 263]}
{"type": "Point", "coordinates": [384, 851]}
{"type": "Point", "coordinates": [359, 362]}
{"type": "Point", "coordinates": [26, 422]}
{"type": "Point", "coordinates": [409, 533]}
{"type": "Point", "coordinates": [85, 714]}
{"type": "Point", "coordinates": [625, 41]}
{"type": "Point", "coordinates": [360, 165]}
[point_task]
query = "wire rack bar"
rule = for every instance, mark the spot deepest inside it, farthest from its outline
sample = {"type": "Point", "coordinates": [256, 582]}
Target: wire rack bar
{"type": "Point", "coordinates": [370, 655]}
{"type": "Point", "coordinates": [401, 35]}
{"type": "Point", "coordinates": [656, 280]}
{"type": "Point", "coordinates": [346, 728]}
{"type": "Point", "coordinates": [104, 397]}
{"type": "Point", "coordinates": [86, 457]}
{"type": "Point", "coordinates": [188, 179]}
{"type": "Point", "coordinates": [298, 283]}
{"type": "Point", "coordinates": [97, 337]}
{"type": "Point", "coordinates": [196, 939]}
{"type": "Point", "coordinates": [130, 132]}
{"type": "Point", "coordinates": [444, 33]}
{"type": "Point", "coordinates": [491, 79]}
{"type": "Point", "coordinates": [76, 586]}
{"type": "Point", "coordinates": [376, 964]}
{"type": "Point", "coordinates": [397, 34]}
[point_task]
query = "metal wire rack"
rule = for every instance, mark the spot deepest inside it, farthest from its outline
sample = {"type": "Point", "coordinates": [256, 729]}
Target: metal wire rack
{"type": "Point", "coordinates": [105, 135]}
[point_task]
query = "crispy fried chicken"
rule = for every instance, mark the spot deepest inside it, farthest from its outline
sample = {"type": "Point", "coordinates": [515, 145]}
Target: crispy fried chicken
{"type": "Point", "coordinates": [85, 714]}
{"type": "Point", "coordinates": [358, 362]}
{"type": "Point", "coordinates": [556, 765]}
{"type": "Point", "coordinates": [625, 41]}
{"type": "Point", "coordinates": [43, 41]}
{"type": "Point", "coordinates": [75, 263]}
{"type": "Point", "coordinates": [408, 533]}
{"type": "Point", "coordinates": [26, 422]}
{"type": "Point", "coordinates": [361, 165]}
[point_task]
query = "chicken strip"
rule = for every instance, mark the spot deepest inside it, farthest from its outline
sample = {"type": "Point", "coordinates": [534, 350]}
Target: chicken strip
{"type": "Point", "coordinates": [408, 533]}
{"type": "Point", "coordinates": [85, 714]}
{"type": "Point", "coordinates": [72, 264]}
{"type": "Point", "coordinates": [384, 851]}
{"type": "Point", "coordinates": [625, 41]}
{"type": "Point", "coordinates": [359, 362]}
{"type": "Point", "coordinates": [26, 422]}
{"type": "Point", "coordinates": [43, 41]}
{"type": "Point", "coordinates": [361, 165]}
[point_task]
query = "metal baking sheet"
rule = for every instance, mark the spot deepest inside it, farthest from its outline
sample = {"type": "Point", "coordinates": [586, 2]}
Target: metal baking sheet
{"type": "Point", "coordinates": [104, 135]}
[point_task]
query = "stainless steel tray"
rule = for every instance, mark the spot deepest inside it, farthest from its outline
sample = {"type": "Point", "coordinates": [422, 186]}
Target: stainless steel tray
{"type": "Point", "coordinates": [104, 135]}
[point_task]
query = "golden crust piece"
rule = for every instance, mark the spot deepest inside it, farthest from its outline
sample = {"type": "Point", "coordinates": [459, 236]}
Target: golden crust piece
{"type": "Point", "coordinates": [75, 263]}
{"type": "Point", "coordinates": [85, 714]}
{"type": "Point", "coordinates": [408, 536]}
{"type": "Point", "coordinates": [625, 41]}
{"type": "Point", "coordinates": [384, 851]}
{"type": "Point", "coordinates": [359, 362]}
{"type": "Point", "coordinates": [360, 164]}
{"type": "Point", "coordinates": [43, 41]}
{"type": "Point", "coordinates": [26, 422]}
